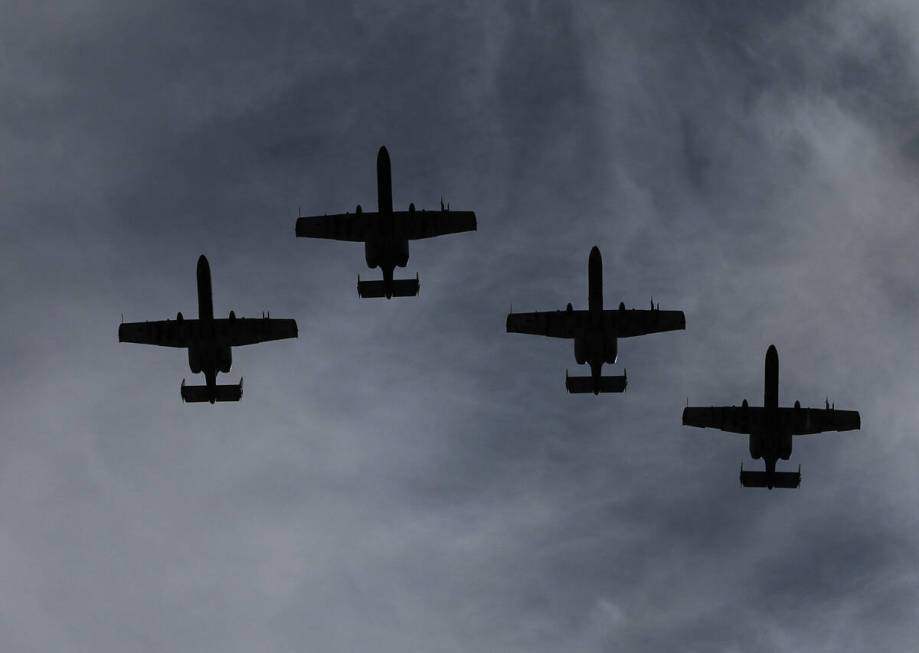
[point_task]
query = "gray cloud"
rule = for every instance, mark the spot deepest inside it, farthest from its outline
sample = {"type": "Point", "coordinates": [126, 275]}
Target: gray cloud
{"type": "Point", "coordinates": [406, 476]}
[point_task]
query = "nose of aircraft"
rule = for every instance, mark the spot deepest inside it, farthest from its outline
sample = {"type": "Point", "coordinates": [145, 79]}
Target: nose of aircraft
{"type": "Point", "coordinates": [595, 261]}
{"type": "Point", "coordinates": [203, 266]}
{"type": "Point", "coordinates": [772, 354]}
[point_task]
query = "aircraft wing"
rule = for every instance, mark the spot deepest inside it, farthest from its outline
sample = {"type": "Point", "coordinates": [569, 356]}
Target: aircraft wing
{"type": "Point", "coordinates": [341, 226]}
{"type": "Point", "coordinates": [234, 332]}
{"type": "Point", "coordinates": [427, 224]}
{"type": "Point", "coordinates": [732, 419]}
{"type": "Point", "coordinates": [554, 324]}
{"type": "Point", "coordinates": [633, 322]}
{"type": "Point", "coordinates": [242, 331]}
{"type": "Point", "coordinates": [807, 421]}
{"type": "Point", "coordinates": [163, 333]}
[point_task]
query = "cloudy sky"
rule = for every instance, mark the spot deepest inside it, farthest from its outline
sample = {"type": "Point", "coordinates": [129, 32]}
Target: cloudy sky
{"type": "Point", "coordinates": [406, 476]}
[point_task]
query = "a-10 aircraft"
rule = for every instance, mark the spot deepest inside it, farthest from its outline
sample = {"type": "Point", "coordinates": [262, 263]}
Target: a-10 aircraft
{"type": "Point", "coordinates": [595, 331]}
{"type": "Point", "coordinates": [386, 233]}
{"type": "Point", "coordinates": [771, 427]}
{"type": "Point", "coordinates": [208, 340]}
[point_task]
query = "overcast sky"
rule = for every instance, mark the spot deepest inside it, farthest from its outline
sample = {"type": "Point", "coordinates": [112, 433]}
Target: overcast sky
{"type": "Point", "coordinates": [406, 476]}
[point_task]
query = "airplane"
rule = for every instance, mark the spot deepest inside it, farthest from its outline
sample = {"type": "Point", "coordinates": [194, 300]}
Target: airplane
{"type": "Point", "coordinates": [595, 331]}
{"type": "Point", "coordinates": [386, 233]}
{"type": "Point", "coordinates": [771, 427]}
{"type": "Point", "coordinates": [208, 340]}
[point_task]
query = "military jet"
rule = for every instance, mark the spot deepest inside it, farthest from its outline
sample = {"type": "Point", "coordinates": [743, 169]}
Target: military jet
{"type": "Point", "coordinates": [386, 233]}
{"type": "Point", "coordinates": [208, 340]}
{"type": "Point", "coordinates": [595, 331]}
{"type": "Point", "coordinates": [771, 426]}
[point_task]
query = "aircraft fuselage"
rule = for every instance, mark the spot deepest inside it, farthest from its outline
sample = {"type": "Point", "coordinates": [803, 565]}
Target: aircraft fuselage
{"type": "Point", "coordinates": [596, 344]}
{"type": "Point", "coordinates": [385, 249]}
{"type": "Point", "coordinates": [771, 442]}
{"type": "Point", "coordinates": [207, 354]}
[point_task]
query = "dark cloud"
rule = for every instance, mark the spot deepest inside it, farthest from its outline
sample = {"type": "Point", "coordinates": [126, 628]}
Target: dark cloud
{"type": "Point", "coordinates": [406, 476]}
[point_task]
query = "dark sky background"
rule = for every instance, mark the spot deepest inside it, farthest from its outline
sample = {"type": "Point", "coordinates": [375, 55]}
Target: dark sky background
{"type": "Point", "coordinates": [406, 476]}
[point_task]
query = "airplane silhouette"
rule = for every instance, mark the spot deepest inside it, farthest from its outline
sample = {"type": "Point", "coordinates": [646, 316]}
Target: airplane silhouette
{"type": "Point", "coordinates": [208, 339]}
{"type": "Point", "coordinates": [771, 427]}
{"type": "Point", "coordinates": [595, 331]}
{"type": "Point", "coordinates": [386, 233]}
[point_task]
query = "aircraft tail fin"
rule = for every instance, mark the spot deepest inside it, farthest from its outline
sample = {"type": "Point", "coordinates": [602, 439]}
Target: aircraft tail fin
{"type": "Point", "coordinates": [585, 384]}
{"type": "Point", "coordinates": [201, 393]}
{"type": "Point", "coordinates": [399, 288]}
{"type": "Point", "coordinates": [788, 480]}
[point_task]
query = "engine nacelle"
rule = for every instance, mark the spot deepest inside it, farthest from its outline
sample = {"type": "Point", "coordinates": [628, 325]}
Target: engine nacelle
{"type": "Point", "coordinates": [611, 351]}
{"type": "Point", "coordinates": [371, 254]}
{"type": "Point", "coordinates": [785, 446]}
{"type": "Point", "coordinates": [756, 447]}
{"type": "Point", "coordinates": [194, 360]}
{"type": "Point", "coordinates": [402, 253]}
{"type": "Point", "coordinates": [225, 360]}
{"type": "Point", "coordinates": [580, 351]}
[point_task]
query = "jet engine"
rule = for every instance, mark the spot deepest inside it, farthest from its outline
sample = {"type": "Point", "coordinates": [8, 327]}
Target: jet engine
{"type": "Point", "coordinates": [756, 447]}
{"type": "Point", "coordinates": [402, 253]}
{"type": "Point", "coordinates": [371, 254]}
{"type": "Point", "coordinates": [785, 446]}
{"type": "Point", "coordinates": [194, 360]}
{"type": "Point", "coordinates": [610, 351]}
{"type": "Point", "coordinates": [580, 351]}
{"type": "Point", "coordinates": [225, 359]}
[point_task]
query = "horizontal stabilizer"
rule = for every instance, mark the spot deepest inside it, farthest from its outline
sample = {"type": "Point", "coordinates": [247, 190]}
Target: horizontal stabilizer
{"type": "Point", "coordinates": [585, 384]}
{"type": "Point", "coordinates": [398, 288]}
{"type": "Point", "coordinates": [202, 393]}
{"type": "Point", "coordinates": [765, 479]}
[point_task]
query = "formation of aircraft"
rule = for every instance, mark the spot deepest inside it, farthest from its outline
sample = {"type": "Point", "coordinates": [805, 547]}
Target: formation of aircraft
{"type": "Point", "coordinates": [771, 427]}
{"type": "Point", "coordinates": [386, 233]}
{"type": "Point", "coordinates": [209, 340]}
{"type": "Point", "coordinates": [595, 331]}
